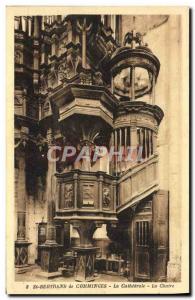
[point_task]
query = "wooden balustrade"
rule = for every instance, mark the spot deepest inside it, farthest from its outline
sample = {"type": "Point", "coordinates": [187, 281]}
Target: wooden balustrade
{"type": "Point", "coordinates": [135, 137]}
{"type": "Point", "coordinates": [137, 183]}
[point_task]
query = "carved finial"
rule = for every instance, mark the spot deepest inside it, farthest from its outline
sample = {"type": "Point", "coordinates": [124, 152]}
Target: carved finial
{"type": "Point", "coordinates": [83, 26]}
{"type": "Point", "coordinates": [132, 38]}
{"type": "Point", "coordinates": [84, 29]}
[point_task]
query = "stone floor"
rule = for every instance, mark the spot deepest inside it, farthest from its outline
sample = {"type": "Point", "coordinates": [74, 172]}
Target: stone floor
{"type": "Point", "coordinates": [31, 275]}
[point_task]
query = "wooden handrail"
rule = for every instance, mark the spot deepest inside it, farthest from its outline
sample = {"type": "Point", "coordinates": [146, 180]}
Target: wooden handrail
{"type": "Point", "coordinates": [137, 183]}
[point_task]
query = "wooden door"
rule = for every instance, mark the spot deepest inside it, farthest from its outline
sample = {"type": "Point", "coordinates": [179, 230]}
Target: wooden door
{"type": "Point", "coordinates": [150, 239]}
{"type": "Point", "coordinates": [160, 235]}
{"type": "Point", "coordinates": [142, 248]}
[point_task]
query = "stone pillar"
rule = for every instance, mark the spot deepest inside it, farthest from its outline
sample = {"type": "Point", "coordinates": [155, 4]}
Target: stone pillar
{"type": "Point", "coordinates": [85, 253]}
{"type": "Point", "coordinates": [175, 156]}
{"type": "Point", "coordinates": [50, 250]}
{"type": "Point", "coordinates": [32, 229]}
{"type": "Point", "coordinates": [21, 244]}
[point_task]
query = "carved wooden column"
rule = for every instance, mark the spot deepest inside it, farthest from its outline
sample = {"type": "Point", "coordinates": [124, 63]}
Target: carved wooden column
{"type": "Point", "coordinates": [21, 244]}
{"type": "Point", "coordinates": [100, 186]}
{"type": "Point", "coordinates": [133, 143]}
{"type": "Point", "coordinates": [150, 142]}
{"type": "Point", "coordinates": [85, 253]}
{"type": "Point", "coordinates": [76, 178]}
{"type": "Point", "coordinates": [50, 250]}
{"type": "Point", "coordinates": [145, 142]}
{"type": "Point", "coordinates": [84, 30]}
{"type": "Point", "coordinates": [133, 137]}
{"type": "Point", "coordinates": [116, 200]}
{"type": "Point", "coordinates": [84, 38]}
{"type": "Point", "coordinates": [111, 163]}
{"type": "Point", "coordinates": [120, 145]}
{"type": "Point", "coordinates": [155, 136]}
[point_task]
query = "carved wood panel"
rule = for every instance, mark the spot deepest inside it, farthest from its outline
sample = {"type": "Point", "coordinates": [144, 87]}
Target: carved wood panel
{"type": "Point", "coordinates": [88, 195]}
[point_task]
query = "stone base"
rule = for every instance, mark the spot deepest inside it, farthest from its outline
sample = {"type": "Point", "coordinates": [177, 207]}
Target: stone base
{"type": "Point", "coordinates": [173, 272]}
{"type": "Point", "coordinates": [49, 275]}
{"type": "Point", "coordinates": [85, 260]}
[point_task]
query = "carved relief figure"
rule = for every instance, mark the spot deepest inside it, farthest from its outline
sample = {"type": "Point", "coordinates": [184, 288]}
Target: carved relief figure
{"type": "Point", "coordinates": [106, 197]}
{"type": "Point", "coordinates": [68, 196]}
{"type": "Point", "coordinates": [63, 71]}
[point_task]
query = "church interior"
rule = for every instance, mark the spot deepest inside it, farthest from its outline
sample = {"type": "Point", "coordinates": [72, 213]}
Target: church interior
{"type": "Point", "coordinates": [92, 81]}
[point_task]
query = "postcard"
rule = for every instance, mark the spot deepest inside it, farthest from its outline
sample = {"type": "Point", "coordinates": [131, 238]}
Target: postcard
{"type": "Point", "coordinates": [97, 150]}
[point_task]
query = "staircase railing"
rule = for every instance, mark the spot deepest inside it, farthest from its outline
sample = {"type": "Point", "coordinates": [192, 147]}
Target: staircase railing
{"type": "Point", "coordinates": [137, 183]}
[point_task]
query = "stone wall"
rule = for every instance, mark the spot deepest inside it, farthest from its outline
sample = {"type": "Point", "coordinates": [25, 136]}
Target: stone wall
{"type": "Point", "coordinates": [164, 39]}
